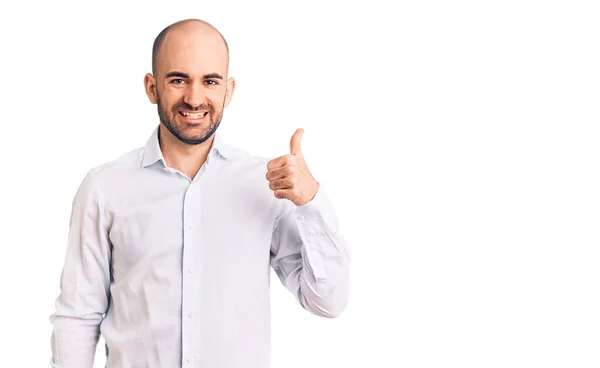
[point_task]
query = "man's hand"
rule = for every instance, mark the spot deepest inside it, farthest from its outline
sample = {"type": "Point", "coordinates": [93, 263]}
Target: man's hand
{"type": "Point", "coordinates": [289, 176]}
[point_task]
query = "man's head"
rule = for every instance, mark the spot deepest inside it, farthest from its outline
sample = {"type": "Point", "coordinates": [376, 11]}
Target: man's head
{"type": "Point", "coordinates": [189, 80]}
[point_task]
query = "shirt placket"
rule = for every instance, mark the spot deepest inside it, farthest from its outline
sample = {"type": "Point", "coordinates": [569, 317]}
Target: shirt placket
{"type": "Point", "coordinates": [190, 299]}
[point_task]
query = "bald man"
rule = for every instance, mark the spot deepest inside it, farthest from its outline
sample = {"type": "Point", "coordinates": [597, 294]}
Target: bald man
{"type": "Point", "coordinates": [171, 245]}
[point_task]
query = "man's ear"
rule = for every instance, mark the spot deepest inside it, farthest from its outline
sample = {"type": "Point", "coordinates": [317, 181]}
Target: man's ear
{"type": "Point", "coordinates": [150, 86]}
{"type": "Point", "coordinates": [229, 91]}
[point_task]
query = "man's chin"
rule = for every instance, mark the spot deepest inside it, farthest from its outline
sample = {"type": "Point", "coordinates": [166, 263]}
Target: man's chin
{"type": "Point", "coordinates": [193, 139]}
{"type": "Point", "coordinates": [190, 136]}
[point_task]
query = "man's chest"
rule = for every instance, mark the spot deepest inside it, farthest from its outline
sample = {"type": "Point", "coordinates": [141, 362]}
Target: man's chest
{"type": "Point", "coordinates": [228, 228]}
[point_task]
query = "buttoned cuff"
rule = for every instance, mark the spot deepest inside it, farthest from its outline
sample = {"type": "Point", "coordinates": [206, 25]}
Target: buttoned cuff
{"type": "Point", "coordinates": [318, 210]}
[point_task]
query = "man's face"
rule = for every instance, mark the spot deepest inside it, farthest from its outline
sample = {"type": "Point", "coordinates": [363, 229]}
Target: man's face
{"type": "Point", "coordinates": [190, 124]}
{"type": "Point", "coordinates": [190, 86]}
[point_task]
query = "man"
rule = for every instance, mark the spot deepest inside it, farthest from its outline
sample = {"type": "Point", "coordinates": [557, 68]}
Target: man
{"type": "Point", "coordinates": [170, 246]}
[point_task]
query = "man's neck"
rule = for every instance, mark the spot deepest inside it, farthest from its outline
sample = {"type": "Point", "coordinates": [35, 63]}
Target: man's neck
{"type": "Point", "coordinates": [186, 158]}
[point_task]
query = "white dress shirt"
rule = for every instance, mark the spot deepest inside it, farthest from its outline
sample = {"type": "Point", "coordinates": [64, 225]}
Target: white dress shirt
{"type": "Point", "coordinates": [175, 272]}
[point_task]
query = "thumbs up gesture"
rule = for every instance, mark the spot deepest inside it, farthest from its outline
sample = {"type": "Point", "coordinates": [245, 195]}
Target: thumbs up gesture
{"type": "Point", "coordinates": [289, 176]}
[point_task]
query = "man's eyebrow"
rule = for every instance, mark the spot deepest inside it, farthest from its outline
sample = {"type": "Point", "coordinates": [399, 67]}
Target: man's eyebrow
{"type": "Point", "coordinates": [213, 76]}
{"type": "Point", "coordinates": [177, 74]}
{"type": "Point", "coordinates": [186, 76]}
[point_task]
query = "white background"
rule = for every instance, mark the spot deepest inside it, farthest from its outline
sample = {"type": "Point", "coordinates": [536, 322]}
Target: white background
{"type": "Point", "coordinates": [459, 142]}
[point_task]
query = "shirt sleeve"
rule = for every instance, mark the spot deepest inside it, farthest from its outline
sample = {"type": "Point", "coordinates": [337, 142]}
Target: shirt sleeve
{"type": "Point", "coordinates": [84, 282]}
{"type": "Point", "coordinates": [311, 257]}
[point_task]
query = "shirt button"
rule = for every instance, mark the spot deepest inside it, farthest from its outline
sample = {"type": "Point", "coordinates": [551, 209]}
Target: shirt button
{"type": "Point", "coordinates": [190, 314]}
{"type": "Point", "coordinates": [190, 360]}
{"type": "Point", "coordinates": [301, 218]}
{"type": "Point", "coordinates": [190, 270]}
{"type": "Point", "coordinates": [192, 227]}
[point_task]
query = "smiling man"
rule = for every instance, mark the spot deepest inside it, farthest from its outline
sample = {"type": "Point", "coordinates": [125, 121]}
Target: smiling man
{"type": "Point", "coordinates": [170, 246]}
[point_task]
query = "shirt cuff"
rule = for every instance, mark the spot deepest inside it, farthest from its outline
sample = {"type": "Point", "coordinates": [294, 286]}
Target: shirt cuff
{"type": "Point", "coordinates": [319, 209]}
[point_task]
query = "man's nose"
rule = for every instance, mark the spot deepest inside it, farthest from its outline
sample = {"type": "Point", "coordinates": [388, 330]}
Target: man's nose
{"type": "Point", "coordinates": [194, 96]}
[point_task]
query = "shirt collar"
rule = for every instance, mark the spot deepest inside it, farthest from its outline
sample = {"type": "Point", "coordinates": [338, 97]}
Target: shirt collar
{"type": "Point", "coordinates": [222, 148]}
{"type": "Point", "coordinates": [153, 154]}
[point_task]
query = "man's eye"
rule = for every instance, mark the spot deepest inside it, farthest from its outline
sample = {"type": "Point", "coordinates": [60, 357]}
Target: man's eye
{"type": "Point", "coordinates": [211, 82]}
{"type": "Point", "coordinates": [177, 81]}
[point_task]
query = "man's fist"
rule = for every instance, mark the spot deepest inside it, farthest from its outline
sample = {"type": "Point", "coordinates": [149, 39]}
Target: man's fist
{"type": "Point", "coordinates": [289, 176]}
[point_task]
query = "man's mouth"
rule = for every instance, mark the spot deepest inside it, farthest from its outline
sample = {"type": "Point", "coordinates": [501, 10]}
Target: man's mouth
{"type": "Point", "coordinates": [193, 115]}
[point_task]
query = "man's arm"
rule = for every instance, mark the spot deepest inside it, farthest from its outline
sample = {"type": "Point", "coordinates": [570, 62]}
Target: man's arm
{"type": "Point", "coordinates": [310, 256]}
{"type": "Point", "coordinates": [84, 282]}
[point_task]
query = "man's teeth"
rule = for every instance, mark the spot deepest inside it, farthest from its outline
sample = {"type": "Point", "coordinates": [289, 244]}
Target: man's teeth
{"type": "Point", "coordinates": [197, 115]}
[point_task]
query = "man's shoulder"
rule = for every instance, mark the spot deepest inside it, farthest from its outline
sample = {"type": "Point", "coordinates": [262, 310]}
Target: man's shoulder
{"type": "Point", "coordinates": [129, 160]}
{"type": "Point", "coordinates": [107, 174]}
{"type": "Point", "coordinates": [241, 157]}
